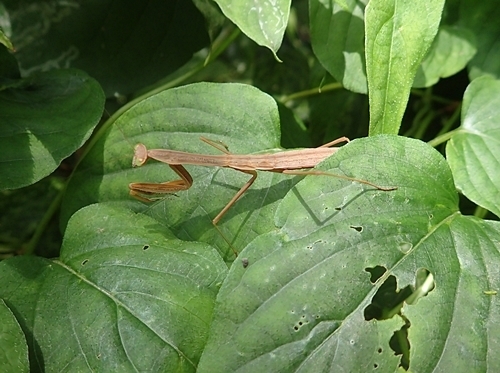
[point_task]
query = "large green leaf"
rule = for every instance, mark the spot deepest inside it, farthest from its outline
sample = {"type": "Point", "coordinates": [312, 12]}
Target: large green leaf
{"type": "Point", "coordinates": [125, 296]}
{"type": "Point", "coordinates": [123, 45]}
{"type": "Point", "coordinates": [240, 116]}
{"type": "Point", "coordinates": [474, 150]}
{"type": "Point", "coordinates": [398, 35]}
{"type": "Point", "coordinates": [299, 303]}
{"type": "Point", "coordinates": [263, 21]}
{"type": "Point", "coordinates": [337, 37]}
{"type": "Point", "coordinates": [13, 346]}
{"type": "Point", "coordinates": [44, 119]}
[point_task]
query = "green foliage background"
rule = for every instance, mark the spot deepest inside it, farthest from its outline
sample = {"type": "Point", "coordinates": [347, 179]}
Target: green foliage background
{"type": "Point", "coordinates": [332, 275]}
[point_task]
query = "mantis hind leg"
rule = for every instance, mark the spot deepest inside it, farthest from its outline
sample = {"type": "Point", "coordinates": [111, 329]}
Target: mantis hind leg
{"type": "Point", "coordinates": [233, 200]}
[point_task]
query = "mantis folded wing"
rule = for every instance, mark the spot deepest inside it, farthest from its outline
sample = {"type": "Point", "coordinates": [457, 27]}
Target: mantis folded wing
{"type": "Point", "coordinates": [290, 162]}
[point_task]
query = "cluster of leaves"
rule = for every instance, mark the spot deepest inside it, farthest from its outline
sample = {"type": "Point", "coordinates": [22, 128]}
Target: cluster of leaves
{"type": "Point", "coordinates": [331, 274]}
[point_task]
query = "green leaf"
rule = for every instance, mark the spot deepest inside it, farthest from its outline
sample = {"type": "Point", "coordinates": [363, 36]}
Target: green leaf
{"type": "Point", "coordinates": [13, 347]}
{"type": "Point", "coordinates": [337, 37]}
{"type": "Point", "coordinates": [242, 117]}
{"type": "Point", "coordinates": [124, 47]}
{"type": "Point", "coordinates": [263, 21]}
{"type": "Point", "coordinates": [124, 296]}
{"type": "Point", "coordinates": [450, 52]}
{"type": "Point", "coordinates": [300, 302]}
{"type": "Point", "coordinates": [481, 19]}
{"type": "Point", "coordinates": [398, 35]}
{"type": "Point", "coordinates": [474, 150]}
{"type": "Point", "coordinates": [44, 119]}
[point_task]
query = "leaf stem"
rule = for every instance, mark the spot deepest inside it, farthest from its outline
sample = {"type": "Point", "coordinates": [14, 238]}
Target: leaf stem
{"type": "Point", "coordinates": [442, 138]}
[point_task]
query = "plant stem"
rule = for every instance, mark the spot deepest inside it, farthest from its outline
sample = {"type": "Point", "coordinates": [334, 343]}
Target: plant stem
{"type": "Point", "coordinates": [442, 138]}
{"type": "Point", "coordinates": [40, 229]}
{"type": "Point", "coordinates": [311, 92]}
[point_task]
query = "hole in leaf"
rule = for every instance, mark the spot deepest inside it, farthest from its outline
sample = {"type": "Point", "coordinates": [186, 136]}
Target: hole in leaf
{"type": "Point", "coordinates": [302, 321]}
{"type": "Point", "coordinates": [375, 272]}
{"type": "Point", "coordinates": [389, 300]}
{"type": "Point", "coordinates": [357, 228]}
{"type": "Point", "coordinates": [145, 247]}
{"type": "Point", "coordinates": [375, 366]}
{"type": "Point", "coordinates": [338, 208]}
{"type": "Point", "coordinates": [400, 344]}
{"type": "Point", "coordinates": [85, 262]}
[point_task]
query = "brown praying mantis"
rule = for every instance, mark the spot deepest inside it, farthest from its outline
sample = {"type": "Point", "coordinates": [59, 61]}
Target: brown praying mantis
{"type": "Point", "coordinates": [292, 162]}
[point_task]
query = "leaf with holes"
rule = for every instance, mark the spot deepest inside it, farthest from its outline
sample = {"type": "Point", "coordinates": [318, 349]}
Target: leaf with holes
{"type": "Point", "coordinates": [303, 300]}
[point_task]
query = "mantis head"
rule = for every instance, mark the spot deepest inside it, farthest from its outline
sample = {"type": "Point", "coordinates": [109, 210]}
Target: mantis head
{"type": "Point", "coordinates": [140, 155]}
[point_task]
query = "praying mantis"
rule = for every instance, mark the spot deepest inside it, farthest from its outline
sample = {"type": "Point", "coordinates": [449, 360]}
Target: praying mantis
{"type": "Point", "coordinates": [291, 162]}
